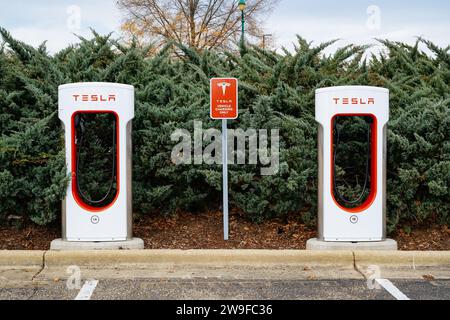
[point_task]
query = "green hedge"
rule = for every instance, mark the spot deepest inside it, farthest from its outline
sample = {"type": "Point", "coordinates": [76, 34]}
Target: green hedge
{"type": "Point", "coordinates": [276, 91]}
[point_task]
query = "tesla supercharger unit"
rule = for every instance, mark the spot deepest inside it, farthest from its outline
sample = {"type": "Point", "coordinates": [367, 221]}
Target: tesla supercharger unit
{"type": "Point", "coordinates": [108, 216]}
{"type": "Point", "coordinates": [362, 218]}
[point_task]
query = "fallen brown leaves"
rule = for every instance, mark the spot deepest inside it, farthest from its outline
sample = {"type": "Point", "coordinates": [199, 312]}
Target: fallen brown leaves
{"type": "Point", "coordinates": [424, 238]}
{"type": "Point", "coordinates": [30, 237]}
{"type": "Point", "coordinates": [204, 231]}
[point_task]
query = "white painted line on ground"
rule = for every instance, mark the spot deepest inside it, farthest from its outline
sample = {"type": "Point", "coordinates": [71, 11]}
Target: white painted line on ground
{"type": "Point", "coordinates": [87, 290]}
{"type": "Point", "coordinates": [393, 290]}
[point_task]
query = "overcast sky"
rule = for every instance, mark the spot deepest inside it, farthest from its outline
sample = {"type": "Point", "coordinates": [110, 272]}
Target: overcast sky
{"type": "Point", "coordinates": [353, 21]}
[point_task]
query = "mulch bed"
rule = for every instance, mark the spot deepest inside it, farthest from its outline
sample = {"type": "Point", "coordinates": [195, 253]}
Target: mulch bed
{"type": "Point", "coordinates": [204, 231]}
{"type": "Point", "coordinates": [422, 238]}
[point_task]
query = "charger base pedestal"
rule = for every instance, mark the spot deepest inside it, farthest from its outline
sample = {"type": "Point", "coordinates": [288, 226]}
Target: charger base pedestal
{"type": "Point", "coordinates": [316, 244]}
{"type": "Point", "coordinates": [61, 245]}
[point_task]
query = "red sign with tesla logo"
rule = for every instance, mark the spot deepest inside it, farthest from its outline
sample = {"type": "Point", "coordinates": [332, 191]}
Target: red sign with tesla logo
{"type": "Point", "coordinates": [224, 98]}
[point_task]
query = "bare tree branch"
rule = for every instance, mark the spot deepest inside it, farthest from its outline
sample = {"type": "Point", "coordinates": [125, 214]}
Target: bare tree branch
{"type": "Point", "coordinates": [201, 24]}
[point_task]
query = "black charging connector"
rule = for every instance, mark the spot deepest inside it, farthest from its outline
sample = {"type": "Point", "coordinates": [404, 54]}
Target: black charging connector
{"type": "Point", "coordinates": [337, 133]}
{"type": "Point", "coordinates": [80, 127]}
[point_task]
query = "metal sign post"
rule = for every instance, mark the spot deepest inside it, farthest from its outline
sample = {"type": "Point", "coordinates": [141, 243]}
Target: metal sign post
{"type": "Point", "coordinates": [224, 106]}
{"type": "Point", "coordinates": [225, 177]}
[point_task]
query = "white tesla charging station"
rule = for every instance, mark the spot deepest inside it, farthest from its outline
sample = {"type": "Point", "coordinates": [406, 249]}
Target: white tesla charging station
{"type": "Point", "coordinates": [340, 219]}
{"type": "Point", "coordinates": [108, 219]}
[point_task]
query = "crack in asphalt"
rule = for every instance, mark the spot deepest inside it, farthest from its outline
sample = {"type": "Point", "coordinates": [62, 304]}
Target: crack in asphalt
{"type": "Point", "coordinates": [355, 267]}
{"type": "Point", "coordinates": [36, 287]}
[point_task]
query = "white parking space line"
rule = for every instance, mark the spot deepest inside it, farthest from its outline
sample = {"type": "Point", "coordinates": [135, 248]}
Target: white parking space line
{"type": "Point", "coordinates": [87, 290]}
{"type": "Point", "coordinates": [393, 290]}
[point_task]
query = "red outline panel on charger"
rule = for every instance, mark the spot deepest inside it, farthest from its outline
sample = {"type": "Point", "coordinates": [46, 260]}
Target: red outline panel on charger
{"type": "Point", "coordinates": [373, 163]}
{"type": "Point", "coordinates": [75, 194]}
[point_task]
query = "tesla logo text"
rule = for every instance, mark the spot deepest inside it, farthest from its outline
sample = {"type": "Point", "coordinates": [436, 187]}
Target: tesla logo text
{"type": "Point", "coordinates": [354, 100]}
{"type": "Point", "coordinates": [94, 97]}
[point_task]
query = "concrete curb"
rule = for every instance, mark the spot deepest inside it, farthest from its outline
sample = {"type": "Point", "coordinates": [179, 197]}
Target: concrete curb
{"type": "Point", "coordinates": [200, 257]}
{"type": "Point", "coordinates": [403, 258]}
{"type": "Point", "coordinates": [112, 258]}
{"type": "Point", "coordinates": [21, 258]}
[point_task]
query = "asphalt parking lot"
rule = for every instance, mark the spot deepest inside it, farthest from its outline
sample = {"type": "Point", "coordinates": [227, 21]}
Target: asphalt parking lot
{"type": "Point", "coordinates": [224, 275]}
{"type": "Point", "coordinates": [212, 289]}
